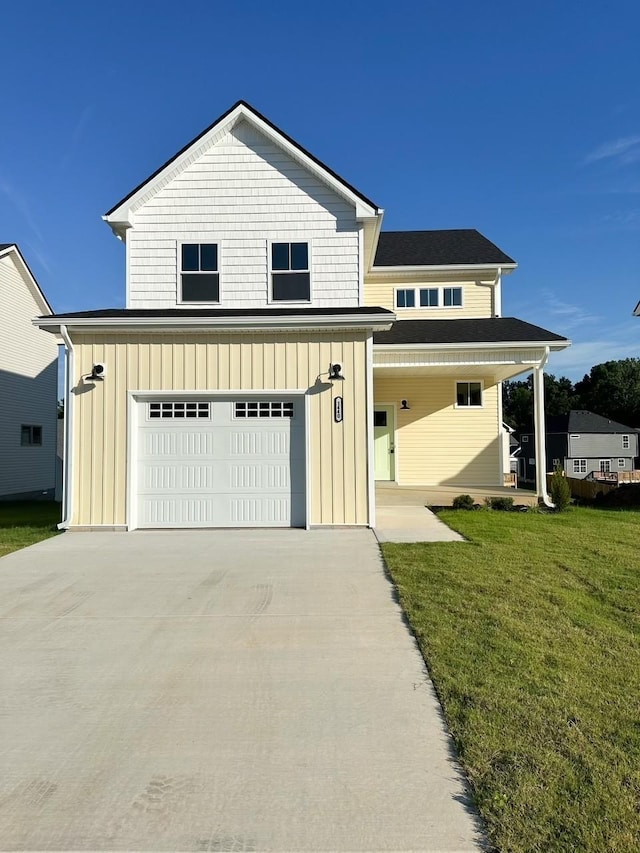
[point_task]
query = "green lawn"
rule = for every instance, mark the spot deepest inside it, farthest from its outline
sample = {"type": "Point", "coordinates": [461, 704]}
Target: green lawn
{"type": "Point", "coordinates": [531, 633]}
{"type": "Point", "coordinates": [23, 523]}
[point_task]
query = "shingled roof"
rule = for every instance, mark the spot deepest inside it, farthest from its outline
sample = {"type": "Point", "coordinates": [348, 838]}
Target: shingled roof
{"type": "Point", "coordinates": [464, 246]}
{"type": "Point", "coordinates": [583, 421]}
{"type": "Point", "coordinates": [498, 330]}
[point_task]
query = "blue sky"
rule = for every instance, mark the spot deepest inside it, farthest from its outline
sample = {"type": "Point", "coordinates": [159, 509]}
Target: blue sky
{"type": "Point", "coordinates": [521, 120]}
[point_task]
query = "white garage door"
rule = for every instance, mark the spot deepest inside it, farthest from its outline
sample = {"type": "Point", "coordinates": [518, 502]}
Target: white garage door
{"type": "Point", "coordinates": [221, 463]}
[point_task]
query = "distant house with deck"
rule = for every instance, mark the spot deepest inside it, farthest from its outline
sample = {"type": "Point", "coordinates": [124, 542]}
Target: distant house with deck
{"type": "Point", "coordinates": [582, 442]}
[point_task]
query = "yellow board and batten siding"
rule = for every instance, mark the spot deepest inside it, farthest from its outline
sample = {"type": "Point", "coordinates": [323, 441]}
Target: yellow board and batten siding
{"type": "Point", "coordinates": [219, 362]}
{"type": "Point", "coordinates": [436, 443]}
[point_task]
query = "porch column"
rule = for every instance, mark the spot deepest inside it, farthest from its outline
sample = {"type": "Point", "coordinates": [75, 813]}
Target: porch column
{"type": "Point", "coordinates": [539, 430]}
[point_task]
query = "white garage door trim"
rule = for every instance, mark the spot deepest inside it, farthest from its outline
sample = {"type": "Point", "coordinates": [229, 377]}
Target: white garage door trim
{"type": "Point", "coordinates": [134, 398]}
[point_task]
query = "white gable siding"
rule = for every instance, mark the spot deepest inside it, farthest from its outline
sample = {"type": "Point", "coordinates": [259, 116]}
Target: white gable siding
{"type": "Point", "coordinates": [28, 385]}
{"type": "Point", "coordinates": [243, 192]}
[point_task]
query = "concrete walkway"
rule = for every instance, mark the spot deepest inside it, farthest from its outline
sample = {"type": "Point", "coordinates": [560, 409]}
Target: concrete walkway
{"type": "Point", "coordinates": [412, 524]}
{"type": "Point", "coordinates": [214, 691]}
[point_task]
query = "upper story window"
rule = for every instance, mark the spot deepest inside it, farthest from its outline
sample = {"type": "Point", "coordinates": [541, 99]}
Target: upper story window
{"type": "Point", "coordinates": [428, 297]}
{"type": "Point", "coordinates": [406, 298]}
{"type": "Point", "coordinates": [468, 394]}
{"type": "Point", "coordinates": [452, 297]}
{"type": "Point", "coordinates": [199, 272]}
{"type": "Point", "coordinates": [290, 272]}
{"type": "Point", "coordinates": [625, 442]}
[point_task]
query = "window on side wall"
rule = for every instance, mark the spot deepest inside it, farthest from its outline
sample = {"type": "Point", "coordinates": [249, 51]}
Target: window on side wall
{"type": "Point", "coordinates": [579, 466]}
{"type": "Point", "coordinates": [290, 272]}
{"type": "Point", "coordinates": [620, 463]}
{"type": "Point", "coordinates": [199, 272]}
{"type": "Point", "coordinates": [429, 297]}
{"type": "Point", "coordinates": [406, 298]}
{"type": "Point", "coordinates": [30, 436]}
{"type": "Point", "coordinates": [625, 442]}
{"type": "Point", "coordinates": [452, 297]}
{"type": "Point", "coordinates": [469, 395]}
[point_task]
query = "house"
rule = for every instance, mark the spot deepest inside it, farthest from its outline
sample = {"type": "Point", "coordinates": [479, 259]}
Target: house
{"type": "Point", "coordinates": [510, 449]}
{"type": "Point", "coordinates": [279, 352]}
{"type": "Point", "coordinates": [582, 443]}
{"type": "Point", "coordinates": [28, 384]}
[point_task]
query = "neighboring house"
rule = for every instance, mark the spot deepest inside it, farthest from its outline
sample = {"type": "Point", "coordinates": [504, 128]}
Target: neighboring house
{"type": "Point", "coordinates": [582, 443]}
{"type": "Point", "coordinates": [258, 374]}
{"type": "Point", "coordinates": [28, 384]}
{"type": "Point", "coordinates": [510, 448]}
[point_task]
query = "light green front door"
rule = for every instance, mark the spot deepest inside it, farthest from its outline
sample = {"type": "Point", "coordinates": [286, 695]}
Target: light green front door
{"type": "Point", "coordinates": [383, 448]}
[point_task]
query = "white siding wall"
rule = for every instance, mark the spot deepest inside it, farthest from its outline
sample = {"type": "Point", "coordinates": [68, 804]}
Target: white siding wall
{"type": "Point", "coordinates": [241, 193]}
{"type": "Point", "coordinates": [28, 385]}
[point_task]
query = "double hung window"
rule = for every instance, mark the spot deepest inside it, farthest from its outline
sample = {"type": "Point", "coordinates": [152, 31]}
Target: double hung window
{"type": "Point", "coordinates": [199, 272]}
{"type": "Point", "coordinates": [579, 466]}
{"type": "Point", "coordinates": [30, 436]}
{"type": "Point", "coordinates": [290, 272]}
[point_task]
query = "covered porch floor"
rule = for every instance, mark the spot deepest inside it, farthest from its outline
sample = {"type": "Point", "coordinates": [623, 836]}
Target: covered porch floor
{"type": "Point", "coordinates": [393, 495]}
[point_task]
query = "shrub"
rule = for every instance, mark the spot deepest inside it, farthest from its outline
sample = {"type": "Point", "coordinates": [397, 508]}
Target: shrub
{"type": "Point", "coordinates": [559, 489]}
{"type": "Point", "coordinates": [463, 502]}
{"type": "Point", "coordinates": [502, 504]}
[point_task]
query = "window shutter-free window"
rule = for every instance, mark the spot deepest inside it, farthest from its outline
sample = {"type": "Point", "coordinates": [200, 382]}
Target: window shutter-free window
{"type": "Point", "coordinates": [290, 272]}
{"type": "Point", "coordinates": [199, 273]}
{"type": "Point", "coordinates": [468, 394]}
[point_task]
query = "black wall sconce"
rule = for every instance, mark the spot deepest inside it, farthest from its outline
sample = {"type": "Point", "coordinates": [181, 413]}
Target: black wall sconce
{"type": "Point", "coordinates": [404, 405]}
{"type": "Point", "coordinates": [335, 372]}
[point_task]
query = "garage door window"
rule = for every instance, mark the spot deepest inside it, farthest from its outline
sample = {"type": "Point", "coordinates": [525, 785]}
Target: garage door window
{"type": "Point", "coordinates": [271, 409]}
{"type": "Point", "coordinates": [179, 410]}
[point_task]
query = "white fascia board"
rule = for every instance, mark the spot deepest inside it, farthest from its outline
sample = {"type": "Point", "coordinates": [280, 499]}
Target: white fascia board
{"type": "Point", "coordinates": [555, 345]}
{"type": "Point", "coordinates": [387, 271]}
{"type": "Point", "coordinates": [121, 217]}
{"type": "Point", "coordinates": [249, 324]}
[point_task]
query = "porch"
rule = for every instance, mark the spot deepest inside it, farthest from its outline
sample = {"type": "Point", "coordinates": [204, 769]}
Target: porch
{"type": "Point", "coordinates": [393, 495]}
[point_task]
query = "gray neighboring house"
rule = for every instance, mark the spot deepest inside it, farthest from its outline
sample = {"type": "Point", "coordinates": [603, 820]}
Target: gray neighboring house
{"type": "Point", "coordinates": [582, 442]}
{"type": "Point", "coordinates": [28, 384]}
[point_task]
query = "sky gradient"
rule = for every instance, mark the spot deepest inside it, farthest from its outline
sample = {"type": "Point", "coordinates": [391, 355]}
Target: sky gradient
{"type": "Point", "coordinates": [520, 120]}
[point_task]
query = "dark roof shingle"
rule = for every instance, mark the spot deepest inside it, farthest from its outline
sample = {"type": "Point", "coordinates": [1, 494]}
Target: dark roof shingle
{"type": "Point", "coordinates": [464, 331]}
{"type": "Point", "coordinates": [212, 313]}
{"type": "Point", "coordinates": [464, 246]}
{"type": "Point", "coordinates": [583, 421]}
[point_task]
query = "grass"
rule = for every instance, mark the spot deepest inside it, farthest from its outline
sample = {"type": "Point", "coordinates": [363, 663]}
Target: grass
{"type": "Point", "coordinates": [531, 632]}
{"type": "Point", "coordinates": [24, 523]}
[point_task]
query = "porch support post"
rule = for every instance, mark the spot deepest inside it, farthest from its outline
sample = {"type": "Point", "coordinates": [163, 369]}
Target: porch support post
{"type": "Point", "coordinates": [540, 430]}
{"type": "Point", "coordinates": [371, 477]}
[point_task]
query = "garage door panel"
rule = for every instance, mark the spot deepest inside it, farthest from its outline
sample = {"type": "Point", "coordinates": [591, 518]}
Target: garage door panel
{"type": "Point", "coordinates": [222, 470]}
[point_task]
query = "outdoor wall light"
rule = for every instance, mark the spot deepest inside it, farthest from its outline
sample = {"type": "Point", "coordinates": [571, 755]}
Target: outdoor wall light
{"type": "Point", "coordinates": [335, 371]}
{"type": "Point", "coordinates": [404, 404]}
{"type": "Point", "coordinates": [97, 372]}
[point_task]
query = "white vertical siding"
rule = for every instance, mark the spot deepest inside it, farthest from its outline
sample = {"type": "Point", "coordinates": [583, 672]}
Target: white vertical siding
{"type": "Point", "coordinates": [28, 384]}
{"type": "Point", "coordinates": [241, 193]}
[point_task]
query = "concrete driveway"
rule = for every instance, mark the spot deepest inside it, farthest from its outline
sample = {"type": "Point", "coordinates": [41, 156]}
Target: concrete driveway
{"type": "Point", "coordinates": [214, 691]}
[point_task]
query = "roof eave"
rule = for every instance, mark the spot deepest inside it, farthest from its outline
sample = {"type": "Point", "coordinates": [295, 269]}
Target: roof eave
{"type": "Point", "coordinates": [506, 268]}
{"type": "Point", "coordinates": [556, 346]}
{"type": "Point", "coordinates": [375, 322]}
{"type": "Point", "coordinates": [41, 299]}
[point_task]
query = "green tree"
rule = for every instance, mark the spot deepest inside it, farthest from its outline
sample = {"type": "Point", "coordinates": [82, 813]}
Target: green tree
{"type": "Point", "coordinates": [612, 389]}
{"type": "Point", "coordinates": [517, 400]}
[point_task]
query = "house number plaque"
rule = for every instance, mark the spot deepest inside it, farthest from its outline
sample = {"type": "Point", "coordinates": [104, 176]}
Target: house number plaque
{"type": "Point", "coordinates": [337, 410]}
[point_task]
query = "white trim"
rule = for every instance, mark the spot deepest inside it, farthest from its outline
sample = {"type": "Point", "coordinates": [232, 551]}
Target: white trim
{"type": "Point", "coordinates": [127, 273]}
{"type": "Point", "coordinates": [247, 323]}
{"type": "Point", "coordinates": [502, 429]}
{"type": "Point", "coordinates": [180, 272]}
{"type": "Point", "coordinates": [540, 436]}
{"type": "Point", "coordinates": [370, 403]}
{"type": "Point", "coordinates": [475, 381]}
{"type": "Point", "coordinates": [307, 460]}
{"type": "Point", "coordinates": [555, 345]}
{"type": "Point", "coordinates": [122, 215]}
{"type": "Point", "coordinates": [131, 512]}
{"type": "Point", "coordinates": [397, 307]}
{"type": "Point", "coordinates": [602, 462]}
{"type": "Point", "coordinates": [579, 469]}
{"type": "Point", "coordinates": [628, 442]}
{"type": "Point", "coordinates": [218, 392]}
{"type": "Point", "coordinates": [505, 268]}
{"type": "Point", "coordinates": [67, 480]}
{"type": "Point", "coordinates": [360, 265]}
{"type": "Point", "coordinates": [289, 303]}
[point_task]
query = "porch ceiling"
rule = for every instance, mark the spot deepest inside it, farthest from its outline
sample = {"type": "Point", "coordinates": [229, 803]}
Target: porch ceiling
{"type": "Point", "coordinates": [498, 372]}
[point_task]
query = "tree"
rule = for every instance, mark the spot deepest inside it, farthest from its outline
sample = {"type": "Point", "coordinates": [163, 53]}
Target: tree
{"type": "Point", "coordinates": [517, 400]}
{"type": "Point", "coordinates": [612, 389]}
